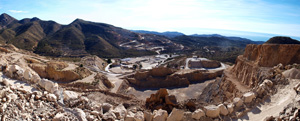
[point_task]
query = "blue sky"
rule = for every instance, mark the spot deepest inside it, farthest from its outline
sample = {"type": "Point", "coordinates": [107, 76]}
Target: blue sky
{"type": "Point", "coordinates": [280, 17]}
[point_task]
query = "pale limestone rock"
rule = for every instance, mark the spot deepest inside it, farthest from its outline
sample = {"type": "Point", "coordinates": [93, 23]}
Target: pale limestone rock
{"type": "Point", "coordinates": [84, 99]}
{"type": "Point", "coordinates": [139, 116]}
{"type": "Point", "coordinates": [49, 85]}
{"type": "Point", "coordinates": [36, 78]}
{"type": "Point", "coordinates": [268, 82]}
{"type": "Point", "coordinates": [187, 116]}
{"type": "Point", "coordinates": [17, 69]}
{"type": "Point", "coordinates": [27, 74]}
{"type": "Point", "coordinates": [80, 114]}
{"type": "Point", "coordinates": [230, 107]}
{"type": "Point", "coordinates": [129, 116]}
{"type": "Point", "coordinates": [58, 117]}
{"type": "Point", "coordinates": [261, 88]}
{"type": "Point", "coordinates": [238, 102]}
{"type": "Point", "coordinates": [42, 83]}
{"type": "Point", "coordinates": [109, 116]}
{"type": "Point", "coordinates": [54, 88]}
{"type": "Point", "coordinates": [197, 114]}
{"type": "Point", "coordinates": [148, 116]}
{"type": "Point", "coordinates": [5, 82]}
{"type": "Point", "coordinates": [212, 111]}
{"type": "Point", "coordinates": [160, 115]}
{"type": "Point", "coordinates": [248, 97]}
{"type": "Point", "coordinates": [3, 107]}
{"type": "Point", "coordinates": [175, 115]}
{"type": "Point", "coordinates": [51, 97]}
{"type": "Point", "coordinates": [120, 111]}
{"type": "Point", "coordinates": [223, 109]}
{"type": "Point", "coordinates": [12, 96]}
{"type": "Point", "coordinates": [70, 95]}
{"type": "Point", "coordinates": [96, 113]}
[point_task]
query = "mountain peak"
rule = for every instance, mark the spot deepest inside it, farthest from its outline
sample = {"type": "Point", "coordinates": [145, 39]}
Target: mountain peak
{"type": "Point", "coordinates": [282, 40]}
{"type": "Point", "coordinates": [35, 19]}
{"type": "Point", "coordinates": [6, 19]}
{"type": "Point", "coordinates": [78, 20]}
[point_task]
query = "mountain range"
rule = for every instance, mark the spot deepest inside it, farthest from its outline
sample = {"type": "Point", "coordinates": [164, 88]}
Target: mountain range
{"type": "Point", "coordinates": [81, 38]}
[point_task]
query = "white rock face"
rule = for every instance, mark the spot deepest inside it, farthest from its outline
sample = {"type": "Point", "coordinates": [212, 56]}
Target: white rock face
{"type": "Point", "coordinates": [248, 97]}
{"type": "Point", "coordinates": [120, 111]}
{"type": "Point", "coordinates": [238, 102]}
{"type": "Point", "coordinates": [80, 114]}
{"type": "Point", "coordinates": [175, 115]}
{"type": "Point", "coordinates": [212, 111]}
{"type": "Point", "coordinates": [70, 95]}
{"type": "Point", "coordinates": [230, 107]}
{"type": "Point", "coordinates": [197, 114]}
{"type": "Point", "coordinates": [223, 109]}
{"type": "Point", "coordinates": [51, 97]}
{"type": "Point", "coordinates": [160, 115]}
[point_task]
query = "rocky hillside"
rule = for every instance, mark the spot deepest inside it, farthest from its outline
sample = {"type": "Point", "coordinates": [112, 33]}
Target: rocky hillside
{"type": "Point", "coordinates": [81, 38]}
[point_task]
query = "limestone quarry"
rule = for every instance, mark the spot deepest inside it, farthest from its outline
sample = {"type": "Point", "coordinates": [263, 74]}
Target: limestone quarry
{"type": "Point", "coordinates": [263, 84]}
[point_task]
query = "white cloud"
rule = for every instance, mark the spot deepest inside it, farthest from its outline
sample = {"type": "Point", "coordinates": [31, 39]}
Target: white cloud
{"type": "Point", "coordinates": [17, 11]}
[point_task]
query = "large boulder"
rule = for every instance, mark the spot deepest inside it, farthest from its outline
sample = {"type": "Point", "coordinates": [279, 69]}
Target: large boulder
{"type": "Point", "coordinates": [161, 100]}
{"type": "Point", "coordinates": [238, 102]}
{"type": "Point", "coordinates": [139, 116]}
{"type": "Point", "coordinates": [148, 116]}
{"type": "Point", "coordinates": [292, 73]}
{"type": "Point", "coordinates": [197, 114]}
{"type": "Point", "coordinates": [248, 97]}
{"type": "Point", "coordinates": [106, 107]}
{"type": "Point", "coordinates": [268, 82]}
{"type": "Point", "coordinates": [27, 74]}
{"type": "Point", "coordinates": [120, 111]}
{"type": "Point", "coordinates": [212, 111]}
{"type": "Point", "coordinates": [80, 114]}
{"type": "Point", "coordinates": [70, 95]}
{"type": "Point", "coordinates": [175, 115]}
{"type": "Point", "coordinates": [15, 71]}
{"type": "Point", "coordinates": [48, 85]}
{"type": "Point", "coordinates": [230, 107]}
{"type": "Point", "coordinates": [223, 109]}
{"type": "Point", "coordinates": [160, 115]}
{"type": "Point", "coordinates": [51, 97]}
